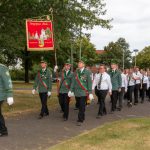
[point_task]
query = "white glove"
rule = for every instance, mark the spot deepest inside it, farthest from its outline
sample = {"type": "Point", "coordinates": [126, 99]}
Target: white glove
{"type": "Point", "coordinates": [33, 91]}
{"type": "Point", "coordinates": [70, 94]}
{"type": "Point", "coordinates": [91, 97]}
{"type": "Point", "coordinates": [55, 68]}
{"type": "Point", "coordinates": [10, 100]}
{"type": "Point", "coordinates": [49, 94]}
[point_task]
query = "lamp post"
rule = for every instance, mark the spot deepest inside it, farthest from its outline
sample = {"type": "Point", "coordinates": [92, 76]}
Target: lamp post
{"type": "Point", "coordinates": [135, 50]}
{"type": "Point", "coordinates": [123, 60]}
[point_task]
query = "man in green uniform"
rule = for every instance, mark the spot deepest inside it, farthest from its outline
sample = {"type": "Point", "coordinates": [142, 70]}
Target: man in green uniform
{"type": "Point", "coordinates": [65, 83]}
{"type": "Point", "coordinates": [5, 94]}
{"type": "Point", "coordinates": [43, 85]}
{"type": "Point", "coordinates": [116, 81]}
{"type": "Point", "coordinates": [82, 88]}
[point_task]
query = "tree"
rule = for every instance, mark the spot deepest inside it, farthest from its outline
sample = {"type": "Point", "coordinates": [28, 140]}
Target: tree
{"type": "Point", "coordinates": [114, 51]}
{"type": "Point", "coordinates": [68, 18]}
{"type": "Point", "coordinates": [143, 58]}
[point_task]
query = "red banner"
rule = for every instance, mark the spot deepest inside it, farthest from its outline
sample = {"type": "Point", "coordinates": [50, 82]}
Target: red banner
{"type": "Point", "coordinates": [39, 35]}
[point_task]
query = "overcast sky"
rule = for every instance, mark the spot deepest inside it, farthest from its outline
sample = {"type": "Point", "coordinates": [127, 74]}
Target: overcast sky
{"type": "Point", "coordinates": [131, 21]}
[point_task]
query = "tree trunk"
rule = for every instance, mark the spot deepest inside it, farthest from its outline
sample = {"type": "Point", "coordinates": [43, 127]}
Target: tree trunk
{"type": "Point", "coordinates": [26, 66]}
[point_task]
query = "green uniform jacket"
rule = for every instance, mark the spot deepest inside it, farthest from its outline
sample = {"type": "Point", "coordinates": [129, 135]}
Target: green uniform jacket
{"type": "Point", "coordinates": [5, 83]}
{"type": "Point", "coordinates": [43, 78]}
{"type": "Point", "coordinates": [85, 78]}
{"type": "Point", "coordinates": [115, 79]}
{"type": "Point", "coordinates": [65, 82]}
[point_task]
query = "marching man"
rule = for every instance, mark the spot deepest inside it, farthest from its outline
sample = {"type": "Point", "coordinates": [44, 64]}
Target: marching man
{"type": "Point", "coordinates": [82, 88]}
{"type": "Point", "coordinates": [43, 84]}
{"type": "Point", "coordinates": [103, 84]}
{"type": "Point", "coordinates": [5, 94]}
{"type": "Point", "coordinates": [65, 83]}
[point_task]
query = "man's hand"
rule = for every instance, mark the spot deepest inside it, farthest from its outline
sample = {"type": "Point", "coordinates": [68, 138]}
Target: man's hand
{"type": "Point", "coordinates": [10, 100]}
{"type": "Point", "coordinates": [55, 68]}
{"type": "Point", "coordinates": [70, 94]}
{"type": "Point", "coordinates": [119, 90]}
{"type": "Point", "coordinates": [49, 94]}
{"type": "Point", "coordinates": [91, 97]}
{"type": "Point", "coordinates": [110, 93]}
{"type": "Point", "coordinates": [33, 91]}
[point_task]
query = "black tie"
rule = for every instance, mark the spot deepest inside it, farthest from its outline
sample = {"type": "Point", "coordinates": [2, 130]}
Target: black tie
{"type": "Point", "coordinates": [100, 80]}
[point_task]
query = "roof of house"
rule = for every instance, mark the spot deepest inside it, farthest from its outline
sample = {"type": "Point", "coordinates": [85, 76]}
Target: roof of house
{"type": "Point", "coordinates": [100, 51]}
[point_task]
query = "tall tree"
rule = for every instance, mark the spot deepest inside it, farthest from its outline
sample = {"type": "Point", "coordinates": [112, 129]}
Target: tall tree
{"type": "Point", "coordinates": [143, 58]}
{"type": "Point", "coordinates": [69, 18]}
{"type": "Point", "coordinates": [114, 51]}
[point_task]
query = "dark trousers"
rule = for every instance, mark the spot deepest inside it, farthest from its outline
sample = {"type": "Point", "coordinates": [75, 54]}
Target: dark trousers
{"type": "Point", "coordinates": [101, 96]}
{"type": "Point", "coordinates": [143, 91]}
{"type": "Point", "coordinates": [96, 92]}
{"type": "Point", "coordinates": [121, 95]}
{"type": "Point", "coordinates": [149, 93]}
{"type": "Point", "coordinates": [114, 98]}
{"type": "Point", "coordinates": [77, 102]}
{"type": "Point", "coordinates": [3, 128]}
{"type": "Point", "coordinates": [44, 109]}
{"type": "Point", "coordinates": [130, 93]}
{"type": "Point", "coordinates": [82, 104]}
{"type": "Point", "coordinates": [61, 102]}
{"type": "Point", "coordinates": [136, 92]}
{"type": "Point", "coordinates": [64, 104]}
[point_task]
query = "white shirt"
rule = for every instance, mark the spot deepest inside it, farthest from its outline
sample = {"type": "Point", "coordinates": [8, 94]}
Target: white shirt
{"type": "Point", "coordinates": [82, 69]}
{"type": "Point", "coordinates": [145, 80]}
{"type": "Point", "coordinates": [124, 81]}
{"type": "Point", "coordinates": [138, 75]}
{"type": "Point", "coordinates": [105, 82]}
{"type": "Point", "coordinates": [131, 80]}
{"type": "Point", "coordinates": [67, 71]}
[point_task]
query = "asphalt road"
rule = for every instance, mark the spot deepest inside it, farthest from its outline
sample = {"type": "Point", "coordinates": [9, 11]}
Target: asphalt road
{"type": "Point", "coordinates": [26, 132]}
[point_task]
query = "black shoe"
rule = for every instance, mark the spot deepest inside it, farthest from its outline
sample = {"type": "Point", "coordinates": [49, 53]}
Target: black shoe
{"type": "Point", "coordinates": [40, 116]}
{"type": "Point", "coordinates": [130, 104]}
{"type": "Point", "coordinates": [135, 103]}
{"type": "Point", "coordinates": [111, 112]}
{"type": "Point", "coordinates": [79, 123]}
{"type": "Point", "coordinates": [3, 134]}
{"type": "Point", "coordinates": [76, 108]}
{"type": "Point", "coordinates": [65, 119]}
{"type": "Point", "coordinates": [47, 114]}
{"type": "Point", "coordinates": [98, 116]}
{"type": "Point", "coordinates": [118, 109]}
{"type": "Point", "coordinates": [142, 101]}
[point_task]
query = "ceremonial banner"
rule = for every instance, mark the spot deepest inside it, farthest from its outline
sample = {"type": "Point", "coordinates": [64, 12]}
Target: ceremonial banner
{"type": "Point", "coordinates": [39, 35]}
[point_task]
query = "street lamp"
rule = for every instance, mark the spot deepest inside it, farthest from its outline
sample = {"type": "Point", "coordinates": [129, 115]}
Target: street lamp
{"type": "Point", "coordinates": [123, 60]}
{"type": "Point", "coordinates": [135, 50]}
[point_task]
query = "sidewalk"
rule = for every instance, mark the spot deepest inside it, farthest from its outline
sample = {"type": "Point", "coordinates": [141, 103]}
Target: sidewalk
{"type": "Point", "coordinates": [26, 132]}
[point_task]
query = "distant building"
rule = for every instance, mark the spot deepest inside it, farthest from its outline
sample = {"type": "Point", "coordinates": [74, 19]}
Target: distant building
{"type": "Point", "coordinates": [100, 52]}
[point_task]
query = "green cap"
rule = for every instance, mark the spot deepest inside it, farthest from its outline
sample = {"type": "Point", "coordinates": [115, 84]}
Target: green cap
{"type": "Point", "coordinates": [114, 62]}
{"type": "Point", "coordinates": [81, 61]}
{"type": "Point", "coordinates": [43, 61]}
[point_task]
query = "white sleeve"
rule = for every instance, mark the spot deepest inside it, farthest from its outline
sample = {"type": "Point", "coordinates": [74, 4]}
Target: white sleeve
{"type": "Point", "coordinates": [94, 83]}
{"type": "Point", "coordinates": [109, 83]}
{"type": "Point", "coordinates": [125, 82]}
{"type": "Point", "coordinates": [148, 83]}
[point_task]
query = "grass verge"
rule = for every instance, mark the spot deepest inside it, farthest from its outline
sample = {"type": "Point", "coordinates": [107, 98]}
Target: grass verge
{"type": "Point", "coordinates": [130, 134]}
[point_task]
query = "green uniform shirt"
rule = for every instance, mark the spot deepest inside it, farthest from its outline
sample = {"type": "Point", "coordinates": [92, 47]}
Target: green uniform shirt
{"type": "Point", "coordinates": [115, 79]}
{"type": "Point", "coordinates": [43, 82]}
{"type": "Point", "coordinates": [5, 83]}
{"type": "Point", "coordinates": [65, 83]}
{"type": "Point", "coordinates": [86, 81]}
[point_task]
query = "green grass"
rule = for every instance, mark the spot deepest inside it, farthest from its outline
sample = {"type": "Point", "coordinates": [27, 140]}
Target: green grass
{"type": "Point", "coordinates": [25, 101]}
{"type": "Point", "coordinates": [131, 134]}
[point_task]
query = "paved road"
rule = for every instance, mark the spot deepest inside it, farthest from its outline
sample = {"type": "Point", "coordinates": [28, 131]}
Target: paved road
{"type": "Point", "coordinates": [26, 132]}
